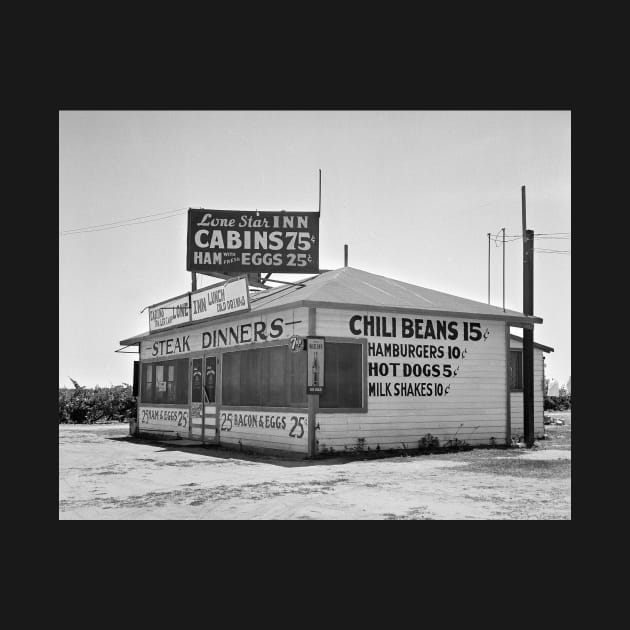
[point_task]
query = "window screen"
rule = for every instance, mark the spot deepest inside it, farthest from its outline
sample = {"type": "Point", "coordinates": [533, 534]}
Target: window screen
{"type": "Point", "coordinates": [516, 369]}
{"type": "Point", "coordinates": [264, 377]}
{"type": "Point", "coordinates": [343, 376]}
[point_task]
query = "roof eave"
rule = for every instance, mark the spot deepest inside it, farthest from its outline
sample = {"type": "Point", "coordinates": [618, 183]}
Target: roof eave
{"type": "Point", "coordinates": [522, 319]}
{"type": "Point", "coordinates": [526, 320]}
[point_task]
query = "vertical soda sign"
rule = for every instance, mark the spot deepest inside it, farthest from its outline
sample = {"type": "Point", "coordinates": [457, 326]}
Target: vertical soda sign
{"type": "Point", "coordinates": [315, 365]}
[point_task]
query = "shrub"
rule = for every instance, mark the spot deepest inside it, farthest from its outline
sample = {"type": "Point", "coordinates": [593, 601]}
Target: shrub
{"type": "Point", "coordinates": [556, 403]}
{"type": "Point", "coordinates": [83, 405]}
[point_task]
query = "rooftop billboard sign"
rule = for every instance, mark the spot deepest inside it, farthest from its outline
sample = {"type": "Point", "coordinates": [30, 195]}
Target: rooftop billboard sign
{"type": "Point", "coordinates": [228, 241]}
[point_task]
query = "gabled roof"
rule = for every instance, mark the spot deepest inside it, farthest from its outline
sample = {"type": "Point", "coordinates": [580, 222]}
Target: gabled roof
{"type": "Point", "coordinates": [348, 287]}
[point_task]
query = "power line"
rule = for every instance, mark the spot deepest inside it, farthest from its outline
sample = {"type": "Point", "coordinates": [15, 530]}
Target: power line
{"type": "Point", "coordinates": [517, 236]}
{"type": "Point", "coordinates": [514, 237]}
{"type": "Point", "coordinates": [116, 226]}
{"type": "Point", "coordinates": [125, 222]}
{"type": "Point", "coordinates": [552, 251]}
{"type": "Point", "coordinates": [498, 240]}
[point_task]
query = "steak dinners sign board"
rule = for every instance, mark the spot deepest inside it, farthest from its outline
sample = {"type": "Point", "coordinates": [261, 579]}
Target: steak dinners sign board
{"type": "Point", "coordinates": [250, 242]}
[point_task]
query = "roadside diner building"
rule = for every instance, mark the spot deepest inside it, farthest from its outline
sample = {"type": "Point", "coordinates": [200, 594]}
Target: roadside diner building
{"type": "Point", "coordinates": [346, 360]}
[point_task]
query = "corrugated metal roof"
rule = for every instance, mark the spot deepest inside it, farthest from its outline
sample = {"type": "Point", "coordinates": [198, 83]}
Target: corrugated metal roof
{"type": "Point", "coordinates": [350, 287]}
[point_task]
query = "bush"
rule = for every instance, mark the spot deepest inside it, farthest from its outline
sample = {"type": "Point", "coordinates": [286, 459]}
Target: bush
{"type": "Point", "coordinates": [83, 405]}
{"type": "Point", "coordinates": [557, 403]}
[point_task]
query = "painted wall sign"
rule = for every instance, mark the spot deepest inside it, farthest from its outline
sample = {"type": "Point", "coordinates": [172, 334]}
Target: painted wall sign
{"type": "Point", "coordinates": [248, 330]}
{"type": "Point", "coordinates": [221, 299]}
{"type": "Point", "coordinates": [281, 425]}
{"type": "Point", "coordinates": [157, 418]}
{"type": "Point", "coordinates": [169, 313]}
{"type": "Point", "coordinates": [399, 365]}
{"type": "Point", "coordinates": [315, 365]}
{"type": "Point", "coordinates": [272, 242]}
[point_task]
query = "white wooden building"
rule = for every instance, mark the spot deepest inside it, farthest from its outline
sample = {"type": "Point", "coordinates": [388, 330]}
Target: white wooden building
{"type": "Point", "coordinates": [403, 366]}
{"type": "Point", "coordinates": [516, 386]}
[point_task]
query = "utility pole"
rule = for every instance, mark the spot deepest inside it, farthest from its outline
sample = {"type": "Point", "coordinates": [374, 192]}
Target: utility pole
{"type": "Point", "coordinates": [503, 269]}
{"type": "Point", "coordinates": [345, 255]}
{"type": "Point", "coordinates": [528, 330]}
{"type": "Point", "coordinates": [488, 267]}
{"type": "Point", "coordinates": [319, 205]}
{"type": "Point", "coordinates": [523, 213]}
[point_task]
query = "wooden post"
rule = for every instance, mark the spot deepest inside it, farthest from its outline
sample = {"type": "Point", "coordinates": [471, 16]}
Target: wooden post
{"type": "Point", "coordinates": [488, 267]}
{"type": "Point", "coordinates": [319, 204]}
{"type": "Point", "coordinates": [528, 339]}
{"type": "Point", "coordinates": [508, 388]}
{"type": "Point", "coordinates": [194, 280]}
{"type": "Point", "coordinates": [503, 269]}
{"type": "Point", "coordinates": [345, 255]}
{"type": "Point", "coordinates": [523, 213]}
{"type": "Point", "coordinates": [313, 399]}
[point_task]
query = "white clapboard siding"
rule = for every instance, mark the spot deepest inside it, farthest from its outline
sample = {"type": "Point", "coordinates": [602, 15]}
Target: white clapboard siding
{"type": "Point", "coordinates": [150, 424]}
{"type": "Point", "coordinates": [289, 436]}
{"type": "Point", "coordinates": [473, 411]}
{"type": "Point", "coordinates": [516, 398]}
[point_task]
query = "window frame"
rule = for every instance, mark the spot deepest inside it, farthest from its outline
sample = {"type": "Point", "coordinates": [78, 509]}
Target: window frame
{"type": "Point", "coordinates": [364, 377]}
{"type": "Point", "coordinates": [150, 364]}
{"type": "Point", "coordinates": [275, 408]}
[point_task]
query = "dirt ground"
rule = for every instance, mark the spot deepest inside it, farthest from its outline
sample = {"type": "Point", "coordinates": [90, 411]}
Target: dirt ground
{"type": "Point", "coordinates": [104, 474]}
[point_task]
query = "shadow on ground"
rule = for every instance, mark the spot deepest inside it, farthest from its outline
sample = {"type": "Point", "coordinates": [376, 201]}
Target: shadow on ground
{"type": "Point", "coordinates": [213, 450]}
{"type": "Point", "coordinates": [295, 461]}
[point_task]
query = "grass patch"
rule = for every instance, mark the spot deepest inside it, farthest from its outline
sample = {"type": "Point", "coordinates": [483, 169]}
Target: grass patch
{"type": "Point", "coordinates": [519, 467]}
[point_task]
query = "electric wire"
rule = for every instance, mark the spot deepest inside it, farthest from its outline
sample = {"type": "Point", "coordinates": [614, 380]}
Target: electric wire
{"type": "Point", "coordinates": [125, 222]}
{"type": "Point", "coordinates": [552, 251]}
{"type": "Point", "coordinates": [511, 238]}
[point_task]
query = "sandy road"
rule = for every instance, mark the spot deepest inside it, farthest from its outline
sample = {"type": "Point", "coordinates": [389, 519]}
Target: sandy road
{"type": "Point", "coordinates": [104, 475]}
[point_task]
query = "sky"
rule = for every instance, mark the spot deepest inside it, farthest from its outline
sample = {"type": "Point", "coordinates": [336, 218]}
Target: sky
{"type": "Point", "coordinates": [413, 194]}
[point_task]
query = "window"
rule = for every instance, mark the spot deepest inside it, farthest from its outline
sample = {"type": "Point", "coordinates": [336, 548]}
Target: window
{"type": "Point", "coordinates": [516, 370]}
{"type": "Point", "coordinates": [171, 393]}
{"type": "Point", "coordinates": [264, 377]}
{"type": "Point", "coordinates": [343, 376]}
{"type": "Point", "coordinates": [147, 383]}
{"type": "Point", "coordinates": [165, 382]}
{"type": "Point", "coordinates": [136, 378]}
